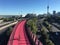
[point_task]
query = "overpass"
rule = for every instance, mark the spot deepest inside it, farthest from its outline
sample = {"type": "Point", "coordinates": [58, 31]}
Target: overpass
{"type": "Point", "coordinates": [21, 36]}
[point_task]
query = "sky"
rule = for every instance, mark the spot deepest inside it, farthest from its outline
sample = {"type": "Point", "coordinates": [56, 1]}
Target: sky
{"type": "Point", "coordinates": [17, 7]}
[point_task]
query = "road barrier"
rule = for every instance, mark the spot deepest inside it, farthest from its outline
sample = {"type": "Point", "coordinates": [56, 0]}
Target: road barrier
{"type": "Point", "coordinates": [34, 37]}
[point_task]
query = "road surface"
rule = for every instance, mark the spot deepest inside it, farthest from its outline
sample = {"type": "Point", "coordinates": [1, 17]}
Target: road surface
{"type": "Point", "coordinates": [5, 23]}
{"type": "Point", "coordinates": [2, 29]}
{"type": "Point", "coordinates": [19, 36]}
{"type": "Point", "coordinates": [54, 29]}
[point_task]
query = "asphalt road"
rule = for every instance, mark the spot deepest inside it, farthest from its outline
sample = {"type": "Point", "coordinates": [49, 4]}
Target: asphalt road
{"type": "Point", "coordinates": [54, 29]}
{"type": "Point", "coordinates": [2, 29]}
{"type": "Point", "coordinates": [4, 23]}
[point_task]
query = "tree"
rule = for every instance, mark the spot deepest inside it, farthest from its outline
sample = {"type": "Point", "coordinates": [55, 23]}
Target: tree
{"type": "Point", "coordinates": [44, 33]}
{"type": "Point", "coordinates": [30, 16]}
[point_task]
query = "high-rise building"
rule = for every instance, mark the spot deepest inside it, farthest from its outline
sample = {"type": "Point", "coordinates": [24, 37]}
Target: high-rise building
{"type": "Point", "coordinates": [48, 10]}
{"type": "Point", "coordinates": [54, 12]}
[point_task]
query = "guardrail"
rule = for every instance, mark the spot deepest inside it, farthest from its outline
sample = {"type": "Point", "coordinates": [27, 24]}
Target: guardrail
{"type": "Point", "coordinates": [34, 37]}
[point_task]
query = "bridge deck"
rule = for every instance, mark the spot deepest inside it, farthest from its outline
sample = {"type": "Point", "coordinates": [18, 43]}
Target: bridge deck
{"type": "Point", "coordinates": [19, 36]}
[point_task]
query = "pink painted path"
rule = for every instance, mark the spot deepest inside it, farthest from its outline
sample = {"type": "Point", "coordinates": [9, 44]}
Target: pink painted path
{"type": "Point", "coordinates": [19, 36]}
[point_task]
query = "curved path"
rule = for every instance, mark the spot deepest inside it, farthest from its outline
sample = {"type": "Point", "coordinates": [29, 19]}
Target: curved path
{"type": "Point", "coordinates": [19, 36]}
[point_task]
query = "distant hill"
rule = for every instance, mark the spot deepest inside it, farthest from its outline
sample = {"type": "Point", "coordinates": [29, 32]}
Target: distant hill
{"type": "Point", "coordinates": [6, 16]}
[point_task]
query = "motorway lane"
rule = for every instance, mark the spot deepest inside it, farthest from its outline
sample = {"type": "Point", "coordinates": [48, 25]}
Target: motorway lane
{"type": "Point", "coordinates": [20, 36]}
{"type": "Point", "coordinates": [6, 26]}
{"type": "Point", "coordinates": [4, 23]}
{"type": "Point", "coordinates": [54, 29]}
{"type": "Point", "coordinates": [56, 25]}
{"type": "Point", "coordinates": [3, 29]}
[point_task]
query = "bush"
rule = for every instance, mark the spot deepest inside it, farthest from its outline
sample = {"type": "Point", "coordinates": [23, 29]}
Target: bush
{"type": "Point", "coordinates": [46, 37]}
{"type": "Point", "coordinates": [44, 33]}
{"type": "Point", "coordinates": [49, 42]}
{"type": "Point", "coordinates": [32, 24]}
{"type": "Point", "coordinates": [9, 31]}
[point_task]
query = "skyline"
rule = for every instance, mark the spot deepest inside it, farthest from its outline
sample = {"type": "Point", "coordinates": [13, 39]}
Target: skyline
{"type": "Point", "coordinates": [16, 7]}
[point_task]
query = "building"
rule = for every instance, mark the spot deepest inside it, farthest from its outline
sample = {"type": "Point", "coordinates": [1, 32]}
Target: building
{"type": "Point", "coordinates": [54, 12]}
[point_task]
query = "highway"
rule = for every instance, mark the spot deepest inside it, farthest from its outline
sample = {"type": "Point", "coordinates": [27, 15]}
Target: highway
{"type": "Point", "coordinates": [54, 29]}
{"type": "Point", "coordinates": [3, 28]}
{"type": "Point", "coordinates": [5, 23]}
{"type": "Point", "coordinates": [54, 35]}
{"type": "Point", "coordinates": [56, 25]}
